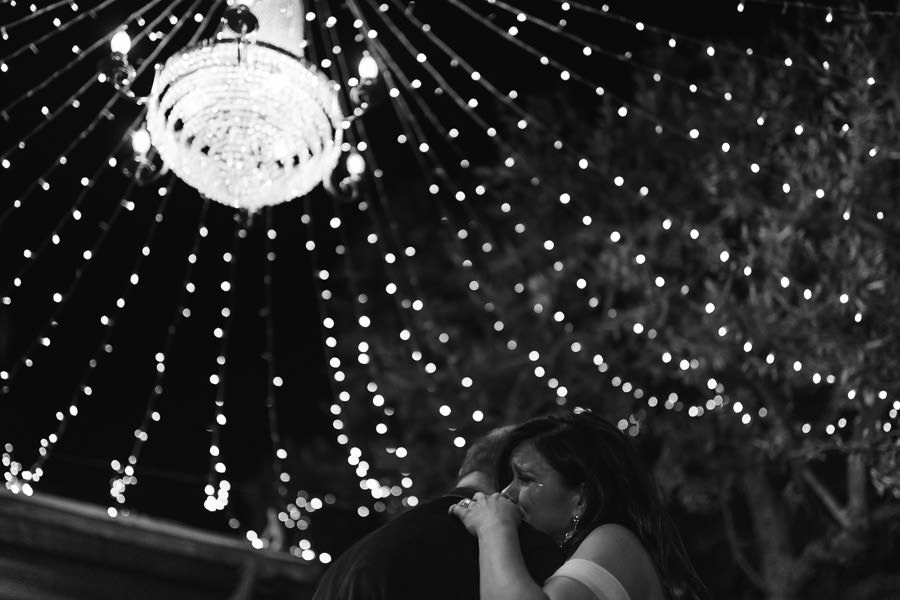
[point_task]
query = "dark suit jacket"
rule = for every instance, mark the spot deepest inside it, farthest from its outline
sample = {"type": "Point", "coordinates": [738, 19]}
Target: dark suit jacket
{"type": "Point", "coordinates": [424, 554]}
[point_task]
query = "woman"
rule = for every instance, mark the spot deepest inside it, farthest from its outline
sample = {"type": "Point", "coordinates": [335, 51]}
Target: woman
{"type": "Point", "coordinates": [578, 479]}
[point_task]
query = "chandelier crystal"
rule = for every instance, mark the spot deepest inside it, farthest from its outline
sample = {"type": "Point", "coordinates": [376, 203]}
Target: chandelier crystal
{"type": "Point", "coordinates": [244, 118]}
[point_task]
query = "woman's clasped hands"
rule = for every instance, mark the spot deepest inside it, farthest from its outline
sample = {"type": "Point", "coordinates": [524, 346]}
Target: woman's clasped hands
{"type": "Point", "coordinates": [486, 512]}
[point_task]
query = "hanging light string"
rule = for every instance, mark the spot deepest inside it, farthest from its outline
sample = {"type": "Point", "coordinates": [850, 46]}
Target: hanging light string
{"type": "Point", "coordinates": [273, 381]}
{"type": "Point", "coordinates": [124, 474]}
{"type": "Point", "coordinates": [148, 61]}
{"type": "Point", "coordinates": [474, 74]}
{"type": "Point", "coordinates": [506, 99]}
{"type": "Point", "coordinates": [514, 157]}
{"type": "Point", "coordinates": [643, 188]}
{"type": "Point", "coordinates": [357, 461]}
{"type": "Point", "coordinates": [358, 132]}
{"type": "Point", "coordinates": [638, 392]}
{"type": "Point", "coordinates": [817, 7]}
{"type": "Point", "coordinates": [42, 337]}
{"type": "Point", "coordinates": [416, 137]}
{"type": "Point", "coordinates": [368, 361]}
{"type": "Point", "coordinates": [391, 69]}
{"type": "Point", "coordinates": [451, 135]}
{"type": "Point", "coordinates": [474, 285]}
{"type": "Point", "coordinates": [362, 319]}
{"type": "Point", "coordinates": [378, 238]}
{"type": "Point", "coordinates": [675, 37]}
{"type": "Point", "coordinates": [82, 54]}
{"type": "Point", "coordinates": [588, 47]}
{"type": "Point", "coordinates": [217, 488]}
{"type": "Point", "coordinates": [746, 345]}
{"type": "Point", "coordinates": [39, 12]}
{"type": "Point", "coordinates": [289, 514]}
{"type": "Point", "coordinates": [34, 45]}
{"type": "Point", "coordinates": [657, 74]}
{"type": "Point", "coordinates": [55, 237]}
{"type": "Point", "coordinates": [356, 457]}
{"type": "Point", "coordinates": [413, 131]}
{"type": "Point", "coordinates": [692, 133]}
{"type": "Point", "coordinates": [61, 299]}
{"type": "Point", "coordinates": [565, 73]}
{"type": "Point", "coordinates": [618, 183]}
{"type": "Point", "coordinates": [104, 348]}
{"type": "Point", "coordinates": [422, 59]}
{"type": "Point", "coordinates": [120, 481]}
{"type": "Point", "coordinates": [73, 101]}
{"type": "Point", "coordinates": [625, 106]}
{"type": "Point", "coordinates": [75, 213]}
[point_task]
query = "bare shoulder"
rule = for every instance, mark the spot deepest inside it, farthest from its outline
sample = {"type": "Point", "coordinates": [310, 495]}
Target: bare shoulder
{"type": "Point", "coordinates": [618, 550]}
{"type": "Point", "coordinates": [612, 542]}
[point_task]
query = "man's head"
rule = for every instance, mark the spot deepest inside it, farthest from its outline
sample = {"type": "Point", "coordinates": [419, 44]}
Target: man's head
{"type": "Point", "coordinates": [480, 462]}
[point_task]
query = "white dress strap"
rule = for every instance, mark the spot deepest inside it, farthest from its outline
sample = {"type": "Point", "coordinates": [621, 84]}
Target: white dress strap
{"type": "Point", "coordinates": [601, 582]}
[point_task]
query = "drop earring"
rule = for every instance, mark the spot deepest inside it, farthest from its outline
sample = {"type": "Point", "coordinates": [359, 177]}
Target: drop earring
{"type": "Point", "coordinates": [571, 532]}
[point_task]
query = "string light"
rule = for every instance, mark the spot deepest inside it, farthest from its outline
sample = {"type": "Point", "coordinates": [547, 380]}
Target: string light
{"type": "Point", "coordinates": [120, 480]}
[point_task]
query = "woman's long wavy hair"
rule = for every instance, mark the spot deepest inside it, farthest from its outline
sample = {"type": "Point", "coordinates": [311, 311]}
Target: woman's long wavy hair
{"type": "Point", "coordinates": [586, 449]}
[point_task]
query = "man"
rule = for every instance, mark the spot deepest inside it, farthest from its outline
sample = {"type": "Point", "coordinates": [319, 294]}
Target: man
{"type": "Point", "coordinates": [426, 554]}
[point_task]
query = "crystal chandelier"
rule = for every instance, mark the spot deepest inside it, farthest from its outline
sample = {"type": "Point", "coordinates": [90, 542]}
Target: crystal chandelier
{"type": "Point", "coordinates": [243, 117]}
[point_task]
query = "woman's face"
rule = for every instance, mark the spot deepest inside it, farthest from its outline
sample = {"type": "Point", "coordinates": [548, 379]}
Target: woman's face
{"type": "Point", "coordinates": [546, 502]}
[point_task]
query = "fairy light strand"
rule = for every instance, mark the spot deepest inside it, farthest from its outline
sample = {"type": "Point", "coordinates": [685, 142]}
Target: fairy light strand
{"type": "Point", "coordinates": [120, 480]}
{"type": "Point", "coordinates": [61, 299]}
{"type": "Point", "coordinates": [33, 46]}
{"type": "Point", "coordinates": [37, 13]}
{"type": "Point", "coordinates": [818, 7]}
{"type": "Point", "coordinates": [404, 112]}
{"type": "Point", "coordinates": [473, 73]}
{"type": "Point", "coordinates": [273, 381]}
{"type": "Point", "coordinates": [85, 53]}
{"type": "Point", "coordinates": [379, 239]}
{"type": "Point", "coordinates": [341, 66]}
{"type": "Point", "coordinates": [217, 488]}
{"type": "Point", "coordinates": [384, 199]}
{"type": "Point", "coordinates": [95, 122]}
{"type": "Point", "coordinates": [104, 347]}
{"type": "Point", "coordinates": [74, 214]}
{"type": "Point", "coordinates": [409, 329]}
{"type": "Point", "coordinates": [357, 458]}
{"type": "Point", "coordinates": [414, 133]}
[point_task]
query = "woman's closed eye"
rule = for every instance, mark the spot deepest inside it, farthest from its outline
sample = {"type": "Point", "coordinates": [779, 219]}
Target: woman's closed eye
{"type": "Point", "coordinates": [525, 479]}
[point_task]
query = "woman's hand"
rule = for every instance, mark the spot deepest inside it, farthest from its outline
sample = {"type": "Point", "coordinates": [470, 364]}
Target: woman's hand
{"type": "Point", "coordinates": [484, 514]}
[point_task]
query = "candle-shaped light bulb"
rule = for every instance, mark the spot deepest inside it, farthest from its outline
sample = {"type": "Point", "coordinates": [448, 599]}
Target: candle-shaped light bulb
{"type": "Point", "coordinates": [356, 164]}
{"type": "Point", "coordinates": [368, 68]}
{"type": "Point", "coordinates": [140, 141]}
{"type": "Point", "coordinates": [120, 42]}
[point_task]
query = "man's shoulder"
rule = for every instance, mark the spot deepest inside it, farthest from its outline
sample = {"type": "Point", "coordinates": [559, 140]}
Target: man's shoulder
{"type": "Point", "coordinates": [423, 552]}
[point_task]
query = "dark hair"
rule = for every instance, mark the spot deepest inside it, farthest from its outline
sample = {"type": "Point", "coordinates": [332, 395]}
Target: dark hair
{"type": "Point", "coordinates": [483, 454]}
{"type": "Point", "coordinates": [586, 449]}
